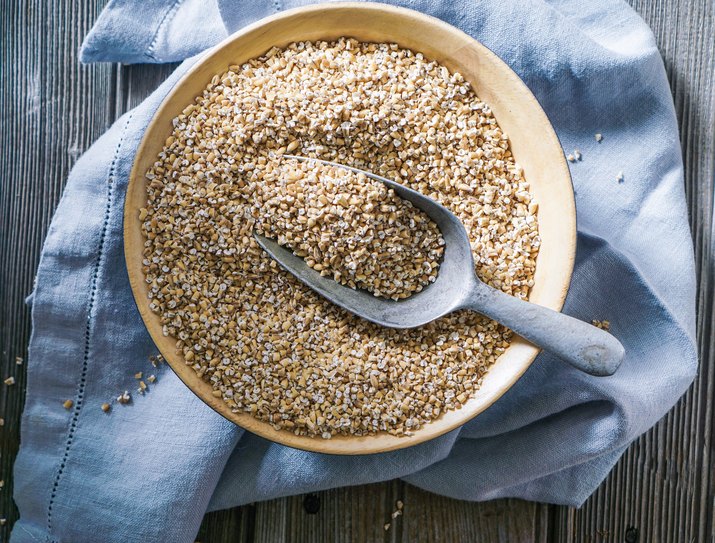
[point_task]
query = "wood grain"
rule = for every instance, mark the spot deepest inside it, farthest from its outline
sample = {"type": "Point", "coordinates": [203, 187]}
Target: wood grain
{"type": "Point", "coordinates": [662, 488]}
{"type": "Point", "coordinates": [52, 109]}
{"type": "Point", "coordinates": [345, 514]}
{"type": "Point", "coordinates": [434, 519]}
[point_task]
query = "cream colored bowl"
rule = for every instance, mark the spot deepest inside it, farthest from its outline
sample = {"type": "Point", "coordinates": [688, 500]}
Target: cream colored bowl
{"type": "Point", "coordinates": [534, 145]}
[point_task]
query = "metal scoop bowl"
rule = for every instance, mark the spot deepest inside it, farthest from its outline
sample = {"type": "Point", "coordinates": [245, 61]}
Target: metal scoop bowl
{"type": "Point", "coordinates": [457, 286]}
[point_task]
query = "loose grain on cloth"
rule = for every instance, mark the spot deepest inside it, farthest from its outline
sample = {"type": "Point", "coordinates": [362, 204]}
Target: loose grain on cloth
{"type": "Point", "coordinates": [149, 469]}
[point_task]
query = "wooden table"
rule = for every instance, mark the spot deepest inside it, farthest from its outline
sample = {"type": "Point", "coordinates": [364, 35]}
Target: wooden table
{"type": "Point", "coordinates": [662, 489]}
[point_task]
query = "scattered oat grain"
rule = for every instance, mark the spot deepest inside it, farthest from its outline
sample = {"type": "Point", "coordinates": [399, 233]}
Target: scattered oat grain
{"type": "Point", "coordinates": [386, 526]}
{"type": "Point", "coordinates": [19, 360]}
{"type": "Point", "coordinates": [599, 137]}
{"type": "Point", "coordinates": [603, 325]}
{"type": "Point", "coordinates": [68, 404]}
{"type": "Point", "coordinates": [106, 407]}
{"type": "Point", "coordinates": [620, 177]}
{"type": "Point", "coordinates": [10, 381]}
{"type": "Point", "coordinates": [124, 398]}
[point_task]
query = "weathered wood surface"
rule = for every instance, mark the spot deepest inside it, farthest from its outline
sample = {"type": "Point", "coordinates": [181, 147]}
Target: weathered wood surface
{"type": "Point", "coordinates": [52, 109]}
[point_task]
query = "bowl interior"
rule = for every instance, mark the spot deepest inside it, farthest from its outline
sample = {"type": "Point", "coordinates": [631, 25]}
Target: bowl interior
{"type": "Point", "coordinates": [534, 145]}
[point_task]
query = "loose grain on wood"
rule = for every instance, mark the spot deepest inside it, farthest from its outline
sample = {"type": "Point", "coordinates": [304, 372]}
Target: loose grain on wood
{"type": "Point", "coordinates": [228, 526]}
{"type": "Point", "coordinates": [52, 109]}
{"type": "Point", "coordinates": [435, 519]}
{"type": "Point", "coordinates": [344, 515]}
{"type": "Point", "coordinates": [496, 85]}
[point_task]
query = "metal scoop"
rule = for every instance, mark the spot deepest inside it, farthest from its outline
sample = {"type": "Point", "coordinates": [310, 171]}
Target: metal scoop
{"type": "Point", "coordinates": [582, 345]}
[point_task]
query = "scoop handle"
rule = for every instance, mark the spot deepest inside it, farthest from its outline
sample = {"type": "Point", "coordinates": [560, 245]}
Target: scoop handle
{"type": "Point", "coordinates": [587, 348]}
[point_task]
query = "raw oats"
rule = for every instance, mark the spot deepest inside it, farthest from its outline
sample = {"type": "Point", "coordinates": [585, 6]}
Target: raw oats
{"type": "Point", "coordinates": [267, 344]}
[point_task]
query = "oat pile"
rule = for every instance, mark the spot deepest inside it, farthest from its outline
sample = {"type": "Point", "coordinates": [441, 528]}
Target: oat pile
{"type": "Point", "coordinates": [347, 226]}
{"type": "Point", "coordinates": [269, 345]}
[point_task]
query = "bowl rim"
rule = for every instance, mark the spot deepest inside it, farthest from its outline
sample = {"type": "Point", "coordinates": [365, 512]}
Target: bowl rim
{"type": "Point", "coordinates": [341, 445]}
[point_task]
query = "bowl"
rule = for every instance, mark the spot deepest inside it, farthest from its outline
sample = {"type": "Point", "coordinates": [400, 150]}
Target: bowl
{"type": "Point", "coordinates": [533, 142]}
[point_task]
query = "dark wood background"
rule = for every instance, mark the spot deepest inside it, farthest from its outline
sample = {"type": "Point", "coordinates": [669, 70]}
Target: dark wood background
{"type": "Point", "coordinates": [52, 109]}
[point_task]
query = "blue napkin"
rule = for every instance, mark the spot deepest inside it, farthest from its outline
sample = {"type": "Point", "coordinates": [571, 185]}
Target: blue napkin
{"type": "Point", "coordinates": [149, 470]}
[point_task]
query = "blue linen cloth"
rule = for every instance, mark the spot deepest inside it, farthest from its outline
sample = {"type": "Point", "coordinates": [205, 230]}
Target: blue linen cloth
{"type": "Point", "coordinates": [148, 471]}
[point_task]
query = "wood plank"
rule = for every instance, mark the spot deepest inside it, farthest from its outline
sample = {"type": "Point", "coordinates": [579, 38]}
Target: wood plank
{"type": "Point", "coordinates": [228, 526]}
{"type": "Point", "coordinates": [51, 109]}
{"type": "Point", "coordinates": [361, 513]}
{"type": "Point", "coordinates": [429, 518]}
{"type": "Point", "coordinates": [343, 515]}
{"type": "Point", "coordinates": [662, 489]}
{"type": "Point", "coordinates": [137, 81]}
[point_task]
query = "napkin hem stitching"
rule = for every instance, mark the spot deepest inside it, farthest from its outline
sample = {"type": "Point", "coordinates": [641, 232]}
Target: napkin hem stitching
{"type": "Point", "coordinates": [88, 331]}
{"type": "Point", "coordinates": [167, 17]}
